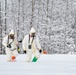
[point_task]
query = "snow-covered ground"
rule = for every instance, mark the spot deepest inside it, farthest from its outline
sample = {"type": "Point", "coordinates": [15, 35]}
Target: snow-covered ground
{"type": "Point", "coordinates": [47, 65]}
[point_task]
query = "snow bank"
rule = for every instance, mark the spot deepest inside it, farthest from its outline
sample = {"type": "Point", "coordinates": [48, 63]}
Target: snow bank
{"type": "Point", "coordinates": [47, 65]}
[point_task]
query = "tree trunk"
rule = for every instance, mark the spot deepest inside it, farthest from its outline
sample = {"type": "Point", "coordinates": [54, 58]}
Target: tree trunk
{"type": "Point", "coordinates": [0, 31]}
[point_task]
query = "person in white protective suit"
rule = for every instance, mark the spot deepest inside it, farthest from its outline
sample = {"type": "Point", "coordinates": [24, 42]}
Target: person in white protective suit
{"type": "Point", "coordinates": [31, 46]}
{"type": "Point", "coordinates": [10, 43]}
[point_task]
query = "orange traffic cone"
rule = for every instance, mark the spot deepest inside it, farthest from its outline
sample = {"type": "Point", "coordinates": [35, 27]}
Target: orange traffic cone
{"type": "Point", "coordinates": [13, 58]}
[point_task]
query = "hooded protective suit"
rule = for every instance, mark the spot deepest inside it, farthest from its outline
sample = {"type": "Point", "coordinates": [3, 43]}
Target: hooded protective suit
{"type": "Point", "coordinates": [35, 46]}
{"type": "Point", "coordinates": [10, 51]}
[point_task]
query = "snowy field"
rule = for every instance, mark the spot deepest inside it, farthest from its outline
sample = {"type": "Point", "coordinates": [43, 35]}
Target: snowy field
{"type": "Point", "coordinates": [50, 64]}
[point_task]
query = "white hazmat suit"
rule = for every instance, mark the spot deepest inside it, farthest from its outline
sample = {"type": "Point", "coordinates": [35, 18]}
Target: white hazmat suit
{"type": "Point", "coordinates": [10, 51]}
{"type": "Point", "coordinates": [35, 46]}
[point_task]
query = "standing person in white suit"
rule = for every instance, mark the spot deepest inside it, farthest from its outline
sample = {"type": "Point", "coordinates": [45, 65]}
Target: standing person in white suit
{"type": "Point", "coordinates": [10, 43]}
{"type": "Point", "coordinates": [31, 46]}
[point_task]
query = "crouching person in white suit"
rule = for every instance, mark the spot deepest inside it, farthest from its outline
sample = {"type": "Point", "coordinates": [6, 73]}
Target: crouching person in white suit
{"type": "Point", "coordinates": [31, 46]}
{"type": "Point", "coordinates": [10, 44]}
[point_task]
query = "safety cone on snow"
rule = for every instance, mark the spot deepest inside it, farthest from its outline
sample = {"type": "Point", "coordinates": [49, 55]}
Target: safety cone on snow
{"type": "Point", "coordinates": [13, 58]}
